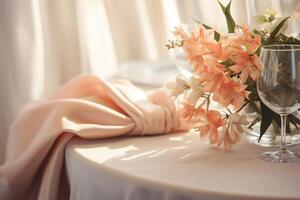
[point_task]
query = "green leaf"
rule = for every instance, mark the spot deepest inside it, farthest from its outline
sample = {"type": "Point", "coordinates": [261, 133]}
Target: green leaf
{"type": "Point", "coordinates": [227, 63]}
{"type": "Point", "coordinates": [223, 7]}
{"type": "Point", "coordinates": [206, 26]}
{"type": "Point", "coordinates": [283, 39]}
{"type": "Point", "coordinates": [229, 19]}
{"type": "Point", "coordinates": [294, 119]}
{"type": "Point", "coordinates": [276, 30]}
{"type": "Point", "coordinates": [253, 96]}
{"type": "Point", "coordinates": [217, 35]}
{"type": "Point", "coordinates": [197, 21]}
{"type": "Point", "coordinates": [266, 119]}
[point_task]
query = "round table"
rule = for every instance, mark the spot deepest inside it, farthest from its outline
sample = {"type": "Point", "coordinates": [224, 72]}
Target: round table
{"type": "Point", "coordinates": [175, 166]}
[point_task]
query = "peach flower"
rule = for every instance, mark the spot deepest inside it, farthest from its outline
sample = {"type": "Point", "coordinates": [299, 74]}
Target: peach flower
{"type": "Point", "coordinates": [243, 40]}
{"type": "Point", "coordinates": [246, 65]}
{"type": "Point", "coordinates": [225, 90]}
{"type": "Point", "coordinates": [244, 44]}
{"type": "Point", "coordinates": [221, 69]}
{"type": "Point", "coordinates": [189, 111]}
{"type": "Point", "coordinates": [209, 122]}
{"type": "Point", "coordinates": [231, 92]}
{"type": "Point", "coordinates": [198, 44]}
{"type": "Point", "coordinates": [211, 79]}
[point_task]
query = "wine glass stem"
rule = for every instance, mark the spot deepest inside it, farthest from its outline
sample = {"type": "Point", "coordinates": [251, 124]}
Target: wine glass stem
{"type": "Point", "coordinates": [283, 134]}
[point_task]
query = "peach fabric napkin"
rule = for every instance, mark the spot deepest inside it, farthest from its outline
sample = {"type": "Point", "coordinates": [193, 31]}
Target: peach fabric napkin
{"type": "Point", "coordinates": [88, 107]}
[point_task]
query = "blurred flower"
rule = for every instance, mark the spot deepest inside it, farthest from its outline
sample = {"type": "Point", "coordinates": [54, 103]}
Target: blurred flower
{"type": "Point", "coordinates": [296, 12]}
{"type": "Point", "coordinates": [294, 23]}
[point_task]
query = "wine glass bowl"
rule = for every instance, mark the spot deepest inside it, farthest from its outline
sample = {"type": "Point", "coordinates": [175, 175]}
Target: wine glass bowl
{"type": "Point", "coordinates": [278, 87]}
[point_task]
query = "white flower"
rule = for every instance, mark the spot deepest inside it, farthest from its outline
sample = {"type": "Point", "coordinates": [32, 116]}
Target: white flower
{"type": "Point", "coordinates": [178, 87]}
{"type": "Point", "coordinates": [236, 125]}
{"type": "Point", "coordinates": [266, 20]}
{"type": "Point", "coordinates": [237, 122]}
{"type": "Point", "coordinates": [195, 91]}
{"type": "Point", "coordinates": [268, 15]}
{"type": "Point", "coordinates": [192, 89]}
{"type": "Point", "coordinates": [194, 83]}
{"type": "Point", "coordinates": [231, 133]}
{"type": "Point", "coordinates": [194, 96]}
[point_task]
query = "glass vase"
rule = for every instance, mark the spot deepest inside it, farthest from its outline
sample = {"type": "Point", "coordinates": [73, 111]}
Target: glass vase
{"type": "Point", "coordinates": [271, 138]}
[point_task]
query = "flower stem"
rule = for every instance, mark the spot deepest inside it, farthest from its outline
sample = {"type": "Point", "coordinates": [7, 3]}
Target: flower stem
{"type": "Point", "coordinates": [208, 102]}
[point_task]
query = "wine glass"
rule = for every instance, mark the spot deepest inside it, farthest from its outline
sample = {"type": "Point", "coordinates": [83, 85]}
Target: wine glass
{"type": "Point", "coordinates": [278, 87]}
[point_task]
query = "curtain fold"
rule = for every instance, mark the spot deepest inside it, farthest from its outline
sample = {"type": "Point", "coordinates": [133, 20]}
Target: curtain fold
{"type": "Point", "coordinates": [43, 43]}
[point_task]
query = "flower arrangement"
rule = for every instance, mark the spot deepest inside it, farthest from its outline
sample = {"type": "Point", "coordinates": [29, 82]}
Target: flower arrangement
{"type": "Point", "coordinates": [225, 69]}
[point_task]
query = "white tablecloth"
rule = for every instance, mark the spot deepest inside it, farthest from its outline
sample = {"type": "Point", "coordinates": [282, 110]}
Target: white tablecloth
{"type": "Point", "coordinates": [175, 166]}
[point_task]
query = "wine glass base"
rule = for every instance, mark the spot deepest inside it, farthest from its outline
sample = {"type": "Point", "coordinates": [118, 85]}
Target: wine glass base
{"type": "Point", "coordinates": [279, 156]}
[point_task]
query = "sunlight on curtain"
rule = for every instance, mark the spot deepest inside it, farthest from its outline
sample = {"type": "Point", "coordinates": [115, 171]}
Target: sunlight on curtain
{"type": "Point", "coordinates": [37, 56]}
{"type": "Point", "coordinates": [147, 31]}
{"type": "Point", "coordinates": [96, 45]}
{"type": "Point", "coordinates": [171, 14]}
{"type": "Point", "coordinates": [44, 43]}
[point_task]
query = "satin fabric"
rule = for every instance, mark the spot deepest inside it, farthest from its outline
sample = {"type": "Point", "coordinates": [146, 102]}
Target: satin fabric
{"type": "Point", "coordinates": [87, 107]}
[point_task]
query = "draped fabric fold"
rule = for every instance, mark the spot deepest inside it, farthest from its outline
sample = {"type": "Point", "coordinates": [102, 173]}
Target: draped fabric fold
{"type": "Point", "coordinates": [88, 107]}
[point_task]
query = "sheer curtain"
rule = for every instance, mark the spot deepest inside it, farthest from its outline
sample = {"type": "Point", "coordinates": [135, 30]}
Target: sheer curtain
{"type": "Point", "coordinates": [43, 43]}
